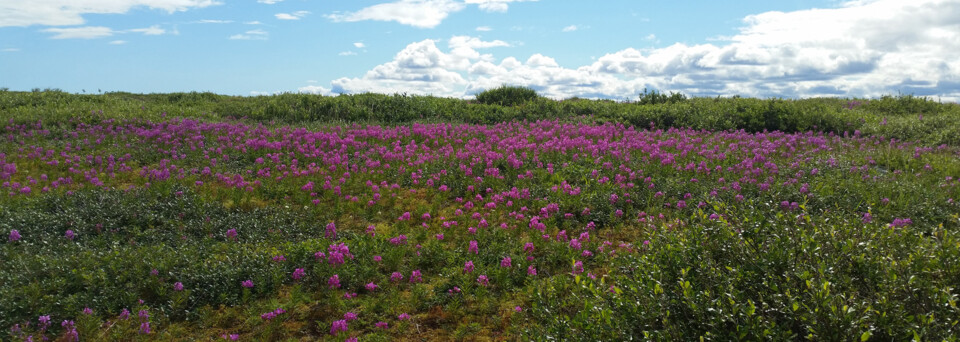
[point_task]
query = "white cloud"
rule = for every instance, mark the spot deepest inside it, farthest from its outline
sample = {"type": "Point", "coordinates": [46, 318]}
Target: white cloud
{"type": "Point", "coordinates": [213, 21]}
{"type": "Point", "coordinates": [347, 53]}
{"type": "Point", "coordinates": [494, 5]}
{"type": "Point", "coordinates": [422, 67]}
{"type": "Point", "coordinates": [292, 16]}
{"type": "Point", "coordinates": [257, 34]}
{"type": "Point", "coordinates": [154, 30]}
{"type": "Point", "coordinates": [70, 12]}
{"type": "Point", "coordinates": [315, 90]}
{"type": "Point", "coordinates": [117, 42]}
{"type": "Point", "coordinates": [484, 29]}
{"type": "Point", "coordinates": [417, 13]}
{"type": "Point", "coordinates": [255, 22]}
{"type": "Point", "coordinates": [570, 28]}
{"type": "Point", "coordinates": [359, 45]}
{"type": "Point", "coordinates": [86, 32]}
{"type": "Point", "coordinates": [11, 50]}
{"type": "Point", "coordinates": [863, 48]}
{"type": "Point", "coordinates": [269, 2]}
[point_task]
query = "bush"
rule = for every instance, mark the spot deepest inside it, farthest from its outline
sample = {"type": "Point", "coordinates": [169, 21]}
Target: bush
{"type": "Point", "coordinates": [507, 95]}
{"type": "Point", "coordinates": [655, 97]}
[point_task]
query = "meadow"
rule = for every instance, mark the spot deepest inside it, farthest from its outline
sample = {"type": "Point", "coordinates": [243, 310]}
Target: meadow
{"type": "Point", "coordinates": [196, 216]}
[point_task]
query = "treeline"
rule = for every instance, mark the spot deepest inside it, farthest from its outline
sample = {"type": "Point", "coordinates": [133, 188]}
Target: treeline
{"type": "Point", "coordinates": [903, 117]}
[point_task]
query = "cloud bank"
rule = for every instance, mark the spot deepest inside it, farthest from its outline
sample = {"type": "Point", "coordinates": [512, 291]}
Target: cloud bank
{"type": "Point", "coordinates": [862, 48]}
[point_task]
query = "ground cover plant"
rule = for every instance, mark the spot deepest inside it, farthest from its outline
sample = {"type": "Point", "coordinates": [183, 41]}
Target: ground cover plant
{"type": "Point", "coordinates": [197, 226]}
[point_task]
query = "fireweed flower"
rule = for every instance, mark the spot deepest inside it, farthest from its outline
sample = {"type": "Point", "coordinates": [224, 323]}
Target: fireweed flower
{"type": "Point", "coordinates": [531, 270]}
{"type": "Point", "coordinates": [483, 280]}
{"type": "Point", "coordinates": [350, 316]}
{"type": "Point", "coordinates": [232, 234]}
{"type": "Point", "coordinates": [473, 247]}
{"type": "Point", "coordinates": [334, 282]}
{"type": "Point", "coordinates": [124, 314]}
{"type": "Point", "coordinates": [900, 222]}
{"type": "Point", "coordinates": [403, 317]}
{"type": "Point", "coordinates": [71, 330]}
{"type": "Point", "coordinates": [331, 231]}
{"type": "Point", "coordinates": [145, 328]}
{"type": "Point", "coordinates": [396, 277]}
{"type": "Point", "coordinates": [505, 262]}
{"type": "Point", "coordinates": [578, 267]}
{"type": "Point", "coordinates": [416, 277]}
{"type": "Point", "coordinates": [87, 311]}
{"type": "Point", "coordinates": [178, 286]}
{"type": "Point", "coordinates": [14, 235]}
{"type": "Point", "coordinates": [297, 274]}
{"type": "Point", "coordinates": [468, 266]}
{"type": "Point", "coordinates": [518, 309]}
{"type": "Point", "coordinates": [247, 283]}
{"type": "Point", "coordinates": [371, 287]}
{"type": "Point", "coordinates": [383, 325]}
{"type": "Point", "coordinates": [69, 234]}
{"type": "Point", "coordinates": [337, 326]}
{"type": "Point", "coordinates": [528, 247]}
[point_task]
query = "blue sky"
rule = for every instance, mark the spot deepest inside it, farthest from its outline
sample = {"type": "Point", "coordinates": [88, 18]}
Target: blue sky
{"type": "Point", "coordinates": [562, 48]}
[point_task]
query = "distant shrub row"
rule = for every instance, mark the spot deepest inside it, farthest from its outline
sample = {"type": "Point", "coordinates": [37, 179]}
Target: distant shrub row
{"type": "Point", "coordinates": [903, 117]}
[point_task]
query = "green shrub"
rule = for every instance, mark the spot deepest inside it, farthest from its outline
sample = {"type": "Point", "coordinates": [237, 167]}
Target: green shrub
{"type": "Point", "coordinates": [507, 95]}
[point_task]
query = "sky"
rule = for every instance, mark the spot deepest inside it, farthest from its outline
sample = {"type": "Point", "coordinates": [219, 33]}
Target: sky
{"type": "Point", "coordinates": [456, 48]}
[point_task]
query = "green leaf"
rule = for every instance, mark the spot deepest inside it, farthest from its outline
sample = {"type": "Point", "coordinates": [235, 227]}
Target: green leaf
{"type": "Point", "coordinates": [866, 336]}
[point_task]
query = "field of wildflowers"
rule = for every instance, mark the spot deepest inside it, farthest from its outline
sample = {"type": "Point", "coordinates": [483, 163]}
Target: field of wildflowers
{"type": "Point", "coordinates": [565, 228]}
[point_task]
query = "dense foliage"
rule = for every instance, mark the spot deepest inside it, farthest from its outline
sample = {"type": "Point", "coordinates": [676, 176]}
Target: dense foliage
{"type": "Point", "coordinates": [903, 117]}
{"type": "Point", "coordinates": [507, 96]}
{"type": "Point", "coordinates": [591, 224]}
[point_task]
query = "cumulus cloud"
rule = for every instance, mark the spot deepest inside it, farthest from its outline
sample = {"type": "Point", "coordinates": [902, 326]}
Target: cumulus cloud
{"type": "Point", "coordinates": [494, 5]}
{"type": "Point", "coordinates": [861, 48]}
{"type": "Point", "coordinates": [86, 32]}
{"type": "Point", "coordinates": [347, 53]}
{"type": "Point", "coordinates": [359, 45]}
{"type": "Point", "coordinates": [257, 34]}
{"type": "Point", "coordinates": [315, 90]}
{"type": "Point", "coordinates": [419, 13]}
{"type": "Point", "coordinates": [483, 29]}
{"type": "Point", "coordinates": [269, 2]}
{"type": "Point", "coordinates": [117, 42]}
{"type": "Point", "coordinates": [292, 16]}
{"type": "Point", "coordinates": [70, 12]}
{"type": "Point", "coordinates": [11, 50]}
{"type": "Point", "coordinates": [570, 28]}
